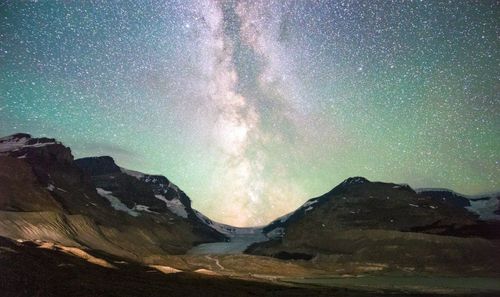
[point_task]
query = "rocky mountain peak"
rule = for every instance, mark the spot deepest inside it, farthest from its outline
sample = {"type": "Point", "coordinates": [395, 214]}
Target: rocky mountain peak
{"type": "Point", "coordinates": [41, 150]}
{"type": "Point", "coordinates": [356, 180]}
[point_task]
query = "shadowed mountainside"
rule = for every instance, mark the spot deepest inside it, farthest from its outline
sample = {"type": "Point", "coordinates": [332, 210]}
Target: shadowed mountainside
{"type": "Point", "coordinates": [45, 195]}
{"type": "Point", "coordinates": [386, 224]}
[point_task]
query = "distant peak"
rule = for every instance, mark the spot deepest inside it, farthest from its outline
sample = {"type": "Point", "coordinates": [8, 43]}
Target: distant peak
{"type": "Point", "coordinates": [16, 142]}
{"type": "Point", "coordinates": [356, 180]}
{"type": "Point", "coordinates": [19, 136]}
{"type": "Point", "coordinates": [15, 137]}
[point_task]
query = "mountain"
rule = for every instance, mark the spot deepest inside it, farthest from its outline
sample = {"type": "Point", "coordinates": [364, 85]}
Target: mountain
{"type": "Point", "coordinates": [46, 195]}
{"type": "Point", "coordinates": [359, 203]}
{"type": "Point", "coordinates": [487, 206]}
{"type": "Point", "coordinates": [134, 192]}
{"type": "Point", "coordinates": [386, 224]}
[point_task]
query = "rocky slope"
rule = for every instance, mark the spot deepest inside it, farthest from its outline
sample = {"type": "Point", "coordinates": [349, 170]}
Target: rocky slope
{"type": "Point", "coordinates": [45, 195]}
{"type": "Point", "coordinates": [134, 193]}
{"type": "Point", "coordinates": [388, 224]}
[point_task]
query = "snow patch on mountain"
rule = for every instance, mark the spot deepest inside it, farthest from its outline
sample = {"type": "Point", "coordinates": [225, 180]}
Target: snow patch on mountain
{"type": "Point", "coordinates": [115, 202]}
{"type": "Point", "coordinates": [174, 205]}
{"type": "Point", "coordinates": [144, 208]}
{"type": "Point", "coordinates": [309, 203]}
{"type": "Point", "coordinates": [162, 188]}
{"type": "Point", "coordinates": [120, 206]}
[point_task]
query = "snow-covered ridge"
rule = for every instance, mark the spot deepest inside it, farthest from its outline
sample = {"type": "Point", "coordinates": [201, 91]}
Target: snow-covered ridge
{"type": "Point", "coordinates": [357, 180]}
{"type": "Point", "coordinates": [11, 143]}
{"type": "Point", "coordinates": [151, 178]}
{"type": "Point", "coordinates": [175, 205]}
{"type": "Point", "coordinates": [18, 141]}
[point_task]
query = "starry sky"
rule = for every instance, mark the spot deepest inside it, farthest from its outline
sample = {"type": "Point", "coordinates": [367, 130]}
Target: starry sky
{"type": "Point", "coordinates": [253, 107]}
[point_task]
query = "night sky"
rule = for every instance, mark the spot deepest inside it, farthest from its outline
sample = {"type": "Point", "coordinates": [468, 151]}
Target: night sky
{"type": "Point", "coordinates": [252, 107]}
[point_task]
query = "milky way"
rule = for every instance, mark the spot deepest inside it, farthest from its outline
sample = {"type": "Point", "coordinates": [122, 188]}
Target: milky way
{"type": "Point", "coordinates": [252, 107]}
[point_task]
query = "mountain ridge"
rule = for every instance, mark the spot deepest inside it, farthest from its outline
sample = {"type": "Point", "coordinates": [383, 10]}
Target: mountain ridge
{"type": "Point", "coordinates": [45, 195]}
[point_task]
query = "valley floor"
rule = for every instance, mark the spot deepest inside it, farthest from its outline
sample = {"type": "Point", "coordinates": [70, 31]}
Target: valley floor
{"type": "Point", "coordinates": [424, 284]}
{"type": "Point", "coordinates": [26, 269]}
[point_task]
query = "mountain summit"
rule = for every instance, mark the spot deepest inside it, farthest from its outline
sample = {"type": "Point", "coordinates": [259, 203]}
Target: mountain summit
{"type": "Point", "coordinates": [360, 221]}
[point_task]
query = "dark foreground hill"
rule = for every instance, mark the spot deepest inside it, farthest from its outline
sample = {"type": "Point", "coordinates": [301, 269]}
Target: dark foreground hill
{"type": "Point", "coordinates": [31, 270]}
